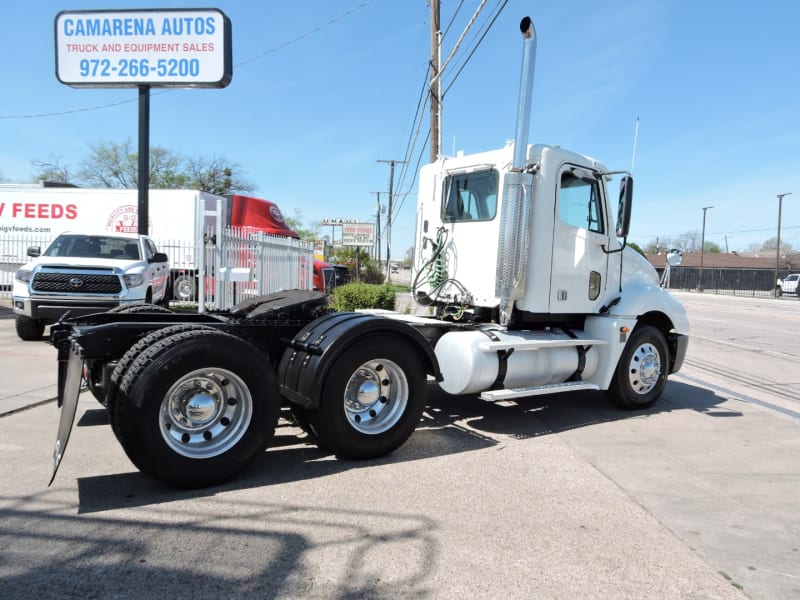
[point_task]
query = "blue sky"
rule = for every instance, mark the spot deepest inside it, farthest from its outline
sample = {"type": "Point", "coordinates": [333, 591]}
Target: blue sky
{"type": "Point", "coordinates": [323, 89]}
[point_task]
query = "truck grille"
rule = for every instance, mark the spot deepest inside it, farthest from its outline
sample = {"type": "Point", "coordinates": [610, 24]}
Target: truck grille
{"type": "Point", "coordinates": [83, 283]}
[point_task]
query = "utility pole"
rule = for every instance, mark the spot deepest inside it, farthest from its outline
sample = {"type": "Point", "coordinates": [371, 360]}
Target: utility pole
{"type": "Point", "coordinates": [435, 81]}
{"type": "Point", "coordinates": [378, 225]}
{"type": "Point", "coordinates": [392, 163]}
{"type": "Point", "coordinates": [778, 240]}
{"type": "Point", "coordinates": [702, 249]}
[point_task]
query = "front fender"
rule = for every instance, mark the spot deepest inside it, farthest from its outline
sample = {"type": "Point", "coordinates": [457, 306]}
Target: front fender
{"type": "Point", "coordinates": [639, 298]}
{"type": "Point", "coordinates": [307, 361]}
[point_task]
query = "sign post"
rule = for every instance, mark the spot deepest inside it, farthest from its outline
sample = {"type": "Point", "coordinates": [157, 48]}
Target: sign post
{"type": "Point", "coordinates": [144, 49]}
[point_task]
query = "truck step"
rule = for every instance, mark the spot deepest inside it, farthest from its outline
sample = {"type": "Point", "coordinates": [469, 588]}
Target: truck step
{"type": "Point", "coordinates": [523, 345]}
{"type": "Point", "coordinates": [537, 390]}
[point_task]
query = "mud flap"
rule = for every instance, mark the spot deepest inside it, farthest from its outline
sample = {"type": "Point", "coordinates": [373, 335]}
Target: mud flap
{"type": "Point", "coordinates": [69, 406]}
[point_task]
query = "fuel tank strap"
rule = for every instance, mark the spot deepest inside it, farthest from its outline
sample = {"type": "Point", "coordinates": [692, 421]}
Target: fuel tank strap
{"type": "Point", "coordinates": [581, 350]}
{"type": "Point", "coordinates": [502, 361]}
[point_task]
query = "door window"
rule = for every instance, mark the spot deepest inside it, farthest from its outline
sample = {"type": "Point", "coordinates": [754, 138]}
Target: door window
{"type": "Point", "coordinates": [579, 202]}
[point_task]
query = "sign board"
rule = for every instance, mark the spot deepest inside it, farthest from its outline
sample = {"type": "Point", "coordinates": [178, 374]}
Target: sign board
{"type": "Point", "coordinates": [153, 47]}
{"type": "Point", "coordinates": [358, 234]}
{"type": "Point", "coordinates": [338, 221]}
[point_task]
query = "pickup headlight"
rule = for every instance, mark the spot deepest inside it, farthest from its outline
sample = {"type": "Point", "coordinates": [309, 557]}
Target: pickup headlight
{"type": "Point", "coordinates": [24, 275]}
{"type": "Point", "coordinates": [133, 280]}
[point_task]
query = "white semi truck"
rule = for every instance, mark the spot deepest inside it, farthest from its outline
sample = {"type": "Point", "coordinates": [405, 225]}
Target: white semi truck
{"type": "Point", "coordinates": [532, 291]}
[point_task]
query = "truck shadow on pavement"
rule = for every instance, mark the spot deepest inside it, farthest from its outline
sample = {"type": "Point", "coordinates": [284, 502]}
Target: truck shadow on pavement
{"type": "Point", "coordinates": [450, 425]}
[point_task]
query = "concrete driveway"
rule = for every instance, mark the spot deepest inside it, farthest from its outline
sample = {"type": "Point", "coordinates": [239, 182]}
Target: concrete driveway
{"type": "Point", "coordinates": [557, 497]}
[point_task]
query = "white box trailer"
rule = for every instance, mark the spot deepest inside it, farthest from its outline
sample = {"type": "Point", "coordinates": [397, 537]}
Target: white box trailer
{"type": "Point", "coordinates": [178, 220]}
{"type": "Point", "coordinates": [46, 211]}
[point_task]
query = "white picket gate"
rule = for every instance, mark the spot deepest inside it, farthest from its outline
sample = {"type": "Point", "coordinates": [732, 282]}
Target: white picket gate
{"type": "Point", "coordinates": [237, 264]}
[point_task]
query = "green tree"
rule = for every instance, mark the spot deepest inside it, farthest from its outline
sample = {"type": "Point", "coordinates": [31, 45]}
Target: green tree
{"type": "Point", "coordinates": [116, 165]}
{"type": "Point", "coordinates": [307, 233]}
{"type": "Point", "coordinates": [353, 257]}
{"type": "Point", "coordinates": [637, 248]}
{"type": "Point", "coordinates": [51, 170]}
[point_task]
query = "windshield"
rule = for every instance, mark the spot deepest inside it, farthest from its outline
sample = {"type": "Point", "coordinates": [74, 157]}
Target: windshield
{"type": "Point", "coordinates": [94, 246]}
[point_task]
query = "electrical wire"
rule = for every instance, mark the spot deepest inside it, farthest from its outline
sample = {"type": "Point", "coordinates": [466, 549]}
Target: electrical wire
{"type": "Point", "coordinates": [245, 62]}
{"type": "Point", "coordinates": [469, 56]}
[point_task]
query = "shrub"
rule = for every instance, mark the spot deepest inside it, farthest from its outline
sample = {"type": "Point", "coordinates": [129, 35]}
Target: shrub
{"type": "Point", "coordinates": [363, 295]}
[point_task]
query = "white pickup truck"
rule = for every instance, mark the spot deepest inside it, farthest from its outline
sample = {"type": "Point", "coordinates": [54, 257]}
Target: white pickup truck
{"type": "Point", "coordinates": [788, 285]}
{"type": "Point", "coordinates": [84, 273]}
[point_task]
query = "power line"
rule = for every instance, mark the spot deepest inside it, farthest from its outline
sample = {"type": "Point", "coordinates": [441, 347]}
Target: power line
{"type": "Point", "coordinates": [248, 61]}
{"type": "Point", "coordinates": [475, 47]}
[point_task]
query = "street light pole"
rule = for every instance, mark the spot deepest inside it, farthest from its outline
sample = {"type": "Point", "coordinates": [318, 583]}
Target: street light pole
{"type": "Point", "coordinates": [702, 249]}
{"type": "Point", "coordinates": [778, 241]}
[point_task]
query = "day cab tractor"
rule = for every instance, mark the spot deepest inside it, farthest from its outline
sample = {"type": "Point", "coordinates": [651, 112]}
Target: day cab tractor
{"type": "Point", "coordinates": [530, 287]}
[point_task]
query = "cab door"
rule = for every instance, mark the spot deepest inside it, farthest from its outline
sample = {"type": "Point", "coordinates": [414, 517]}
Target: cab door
{"type": "Point", "coordinates": [580, 237]}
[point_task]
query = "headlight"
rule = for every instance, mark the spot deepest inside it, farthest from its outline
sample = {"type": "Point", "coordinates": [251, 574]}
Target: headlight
{"type": "Point", "coordinates": [134, 280]}
{"type": "Point", "coordinates": [24, 275]}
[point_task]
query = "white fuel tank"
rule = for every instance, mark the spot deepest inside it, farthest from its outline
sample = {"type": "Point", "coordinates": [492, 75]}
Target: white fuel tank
{"type": "Point", "coordinates": [470, 363]}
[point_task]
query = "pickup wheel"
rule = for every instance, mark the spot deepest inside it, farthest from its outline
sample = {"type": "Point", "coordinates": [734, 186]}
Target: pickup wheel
{"type": "Point", "coordinates": [197, 408]}
{"type": "Point", "coordinates": [372, 399]}
{"type": "Point", "coordinates": [29, 329]}
{"type": "Point", "coordinates": [184, 288]}
{"type": "Point", "coordinates": [642, 370]}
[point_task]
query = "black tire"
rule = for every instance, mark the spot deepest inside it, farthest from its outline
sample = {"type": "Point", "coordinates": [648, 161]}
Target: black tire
{"type": "Point", "coordinates": [192, 439]}
{"type": "Point", "coordinates": [29, 329]}
{"type": "Point", "coordinates": [138, 308]}
{"type": "Point", "coordinates": [184, 288]}
{"type": "Point", "coordinates": [642, 370]}
{"type": "Point", "coordinates": [131, 355]}
{"type": "Point", "coordinates": [388, 378]}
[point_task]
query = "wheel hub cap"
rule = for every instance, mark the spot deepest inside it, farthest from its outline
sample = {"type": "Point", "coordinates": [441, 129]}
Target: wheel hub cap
{"type": "Point", "coordinates": [375, 397]}
{"type": "Point", "coordinates": [205, 413]}
{"type": "Point", "coordinates": [645, 369]}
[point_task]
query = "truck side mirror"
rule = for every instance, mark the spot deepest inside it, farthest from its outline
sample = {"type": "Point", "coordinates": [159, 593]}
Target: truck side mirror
{"type": "Point", "coordinates": [34, 251]}
{"type": "Point", "coordinates": [159, 257]}
{"type": "Point", "coordinates": [624, 209]}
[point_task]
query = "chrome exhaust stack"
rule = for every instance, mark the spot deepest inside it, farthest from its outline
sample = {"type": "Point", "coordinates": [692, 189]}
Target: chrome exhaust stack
{"type": "Point", "coordinates": [513, 245]}
{"type": "Point", "coordinates": [525, 93]}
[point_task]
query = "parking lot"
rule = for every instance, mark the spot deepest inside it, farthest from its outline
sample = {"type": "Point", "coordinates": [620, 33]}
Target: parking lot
{"type": "Point", "coordinates": [550, 497]}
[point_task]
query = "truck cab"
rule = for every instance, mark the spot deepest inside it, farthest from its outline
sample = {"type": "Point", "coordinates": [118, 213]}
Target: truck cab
{"type": "Point", "coordinates": [567, 252]}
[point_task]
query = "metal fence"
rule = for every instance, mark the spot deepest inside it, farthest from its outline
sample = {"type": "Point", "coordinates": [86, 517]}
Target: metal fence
{"type": "Point", "coordinates": [224, 268]}
{"type": "Point", "coordinates": [756, 283]}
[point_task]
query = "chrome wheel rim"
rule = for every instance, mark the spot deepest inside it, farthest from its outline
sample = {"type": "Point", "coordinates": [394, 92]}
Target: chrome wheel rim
{"type": "Point", "coordinates": [184, 289]}
{"type": "Point", "coordinates": [376, 396]}
{"type": "Point", "coordinates": [644, 370]}
{"type": "Point", "coordinates": [205, 413]}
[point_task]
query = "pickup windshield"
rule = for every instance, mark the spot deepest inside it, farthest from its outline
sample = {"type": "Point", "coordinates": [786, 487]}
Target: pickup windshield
{"type": "Point", "coordinates": [94, 246]}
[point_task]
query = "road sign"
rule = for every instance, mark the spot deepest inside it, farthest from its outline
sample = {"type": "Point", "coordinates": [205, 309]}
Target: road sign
{"type": "Point", "coordinates": [358, 234]}
{"type": "Point", "coordinates": [133, 48]}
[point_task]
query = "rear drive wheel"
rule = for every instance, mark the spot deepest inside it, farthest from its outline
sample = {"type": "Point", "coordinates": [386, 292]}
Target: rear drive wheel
{"type": "Point", "coordinates": [642, 369]}
{"type": "Point", "coordinates": [110, 395]}
{"type": "Point", "coordinates": [197, 408]}
{"type": "Point", "coordinates": [29, 329]}
{"type": "Point", "coordinates": [372, 399]}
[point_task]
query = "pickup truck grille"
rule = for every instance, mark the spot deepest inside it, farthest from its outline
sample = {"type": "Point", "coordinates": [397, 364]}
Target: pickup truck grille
{"type": "Point", "coordinates": [83, 283]}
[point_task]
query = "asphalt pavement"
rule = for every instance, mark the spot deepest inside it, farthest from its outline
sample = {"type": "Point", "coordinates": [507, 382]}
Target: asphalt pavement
{"type": "Point", "coordinates": [529, 499]}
